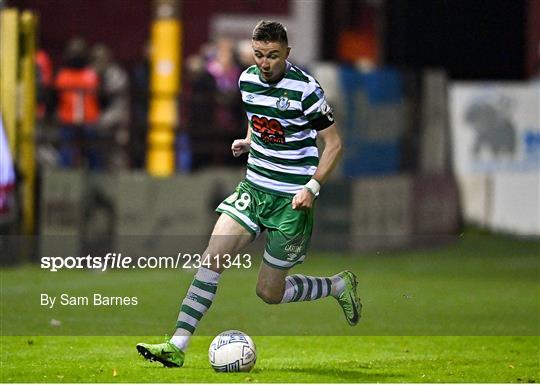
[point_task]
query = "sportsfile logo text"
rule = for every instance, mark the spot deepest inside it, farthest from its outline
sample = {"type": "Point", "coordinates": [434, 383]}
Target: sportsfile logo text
{"type": "Point", "coordinates": [118, 261]}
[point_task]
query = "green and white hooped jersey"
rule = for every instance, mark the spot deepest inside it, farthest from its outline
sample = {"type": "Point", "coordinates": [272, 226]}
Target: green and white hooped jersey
{"type": "Point", "coordinates": [284, 119]}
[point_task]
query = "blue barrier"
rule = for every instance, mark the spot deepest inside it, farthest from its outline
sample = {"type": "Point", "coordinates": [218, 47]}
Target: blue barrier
{"type": "Point", "coordinates": [372, 158]}
{"type": "Point", "coordinates": [365, 93]}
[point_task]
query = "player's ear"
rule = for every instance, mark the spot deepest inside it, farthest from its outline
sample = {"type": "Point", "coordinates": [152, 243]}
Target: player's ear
{"type": "Point", "coordinates": [288, 52]}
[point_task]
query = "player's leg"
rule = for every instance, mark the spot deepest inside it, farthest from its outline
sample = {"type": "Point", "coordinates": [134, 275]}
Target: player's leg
{"type": "Point", "coordinates": [289, 234]}
{"type": "Point", "coordinates": [342, 286]}
{"type": "Point", "coordinates": [234, 229]}
{"type": "Point", "coordinates": [271, 284]}
{"type": "Point", "coordinates": [228, 237]}
{"type": "Point", "coordinates": [275, 286]}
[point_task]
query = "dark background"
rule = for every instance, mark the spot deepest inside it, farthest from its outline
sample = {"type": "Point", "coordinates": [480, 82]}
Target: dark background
{"type": "Point", "coordinates": [124, 25]}
{"type": "Point", "coordinates": [471, 39]}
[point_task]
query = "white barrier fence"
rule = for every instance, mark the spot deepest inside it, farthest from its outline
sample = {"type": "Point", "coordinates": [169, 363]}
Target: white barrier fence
{"type": "Point", "coordinates": [496, 153]}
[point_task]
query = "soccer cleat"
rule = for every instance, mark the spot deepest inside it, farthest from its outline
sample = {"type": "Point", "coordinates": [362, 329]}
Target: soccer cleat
{"type": "Point", "coordinates": [348, 300]}
{"type": "Point", "coordinates": [166, 353]}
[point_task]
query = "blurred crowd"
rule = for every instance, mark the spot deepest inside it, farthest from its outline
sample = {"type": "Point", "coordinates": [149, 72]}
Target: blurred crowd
{"type": "Point", "coordinates": [93, 111]}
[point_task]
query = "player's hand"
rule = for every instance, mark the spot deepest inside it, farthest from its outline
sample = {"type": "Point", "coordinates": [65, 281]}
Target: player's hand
{"type": "Point", "coordinates": [303, 200]}
{"type": "Point", "coordinates": [240, 146]}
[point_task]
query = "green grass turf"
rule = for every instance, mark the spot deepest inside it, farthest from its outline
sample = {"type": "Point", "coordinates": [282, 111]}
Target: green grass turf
{"type": "Point", "coordinates": [280, 359]}
{"type": "Point", "coordinates": [466, 297]}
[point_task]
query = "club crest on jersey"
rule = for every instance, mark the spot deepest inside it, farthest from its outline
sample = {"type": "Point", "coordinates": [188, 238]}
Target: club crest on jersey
{"type": "Point", "coordinates": [283, 103]}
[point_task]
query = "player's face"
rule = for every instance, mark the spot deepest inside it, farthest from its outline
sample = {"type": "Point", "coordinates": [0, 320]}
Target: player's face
{"type": "Point", "coordinates": [270, 57]}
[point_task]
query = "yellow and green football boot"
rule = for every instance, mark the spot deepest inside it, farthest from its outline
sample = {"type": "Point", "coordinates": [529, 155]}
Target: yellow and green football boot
{"type": "Point", "coordinates": [166, 353]}
{"type": "Point", "coordinates": [348, 300]}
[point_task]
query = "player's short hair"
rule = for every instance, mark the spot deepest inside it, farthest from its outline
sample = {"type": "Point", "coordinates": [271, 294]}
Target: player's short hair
{"type": "Point", "coordinates": [270, 31]}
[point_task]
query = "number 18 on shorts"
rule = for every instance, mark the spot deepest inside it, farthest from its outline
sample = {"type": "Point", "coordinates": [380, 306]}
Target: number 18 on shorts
{"type": "Point", "coordinates": [289, 231]}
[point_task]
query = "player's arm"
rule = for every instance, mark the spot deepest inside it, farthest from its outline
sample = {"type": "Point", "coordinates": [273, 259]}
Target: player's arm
{"type": "Point", "coordinates": [331, 154]}
{"type": "Point", "coordinates": [241, 146]}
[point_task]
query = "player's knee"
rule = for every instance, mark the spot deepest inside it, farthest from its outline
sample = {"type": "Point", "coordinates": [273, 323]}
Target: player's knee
{"type": "Point", "coordinates": [269, 296]}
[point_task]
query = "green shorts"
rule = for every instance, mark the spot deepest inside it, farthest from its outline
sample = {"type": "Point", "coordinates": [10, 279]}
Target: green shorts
{"type": "Point", "coordinates": [289, 231]}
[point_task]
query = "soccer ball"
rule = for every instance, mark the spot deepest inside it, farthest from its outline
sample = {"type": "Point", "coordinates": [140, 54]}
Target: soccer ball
{"type": "Point", "coordinates": [232, 351]}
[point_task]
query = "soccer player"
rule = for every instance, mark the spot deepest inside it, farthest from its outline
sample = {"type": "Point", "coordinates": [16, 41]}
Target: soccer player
{"type": "Point", "coordinates": [287, 111]}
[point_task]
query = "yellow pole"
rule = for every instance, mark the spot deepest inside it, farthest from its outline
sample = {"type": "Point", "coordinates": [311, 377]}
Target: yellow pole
{"type": "Point", "coordinates": [27, 147]}
{"type": "Point", "coordinates": [164, 88]}
{"type": "Point", "coordinates": [9, 53]}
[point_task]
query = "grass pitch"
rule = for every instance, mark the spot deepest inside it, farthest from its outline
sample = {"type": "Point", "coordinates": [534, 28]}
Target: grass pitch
{"type": "Point", "coordinates": [280, 359]}
{"type": "Point", "coordinates": [465, 313]}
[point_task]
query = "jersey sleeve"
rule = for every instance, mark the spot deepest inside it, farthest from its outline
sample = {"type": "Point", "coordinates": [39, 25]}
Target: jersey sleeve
{"type": "Point", "coordinates": [240, 79]}
{"type": "Point", "coordinates": [315, 107]}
